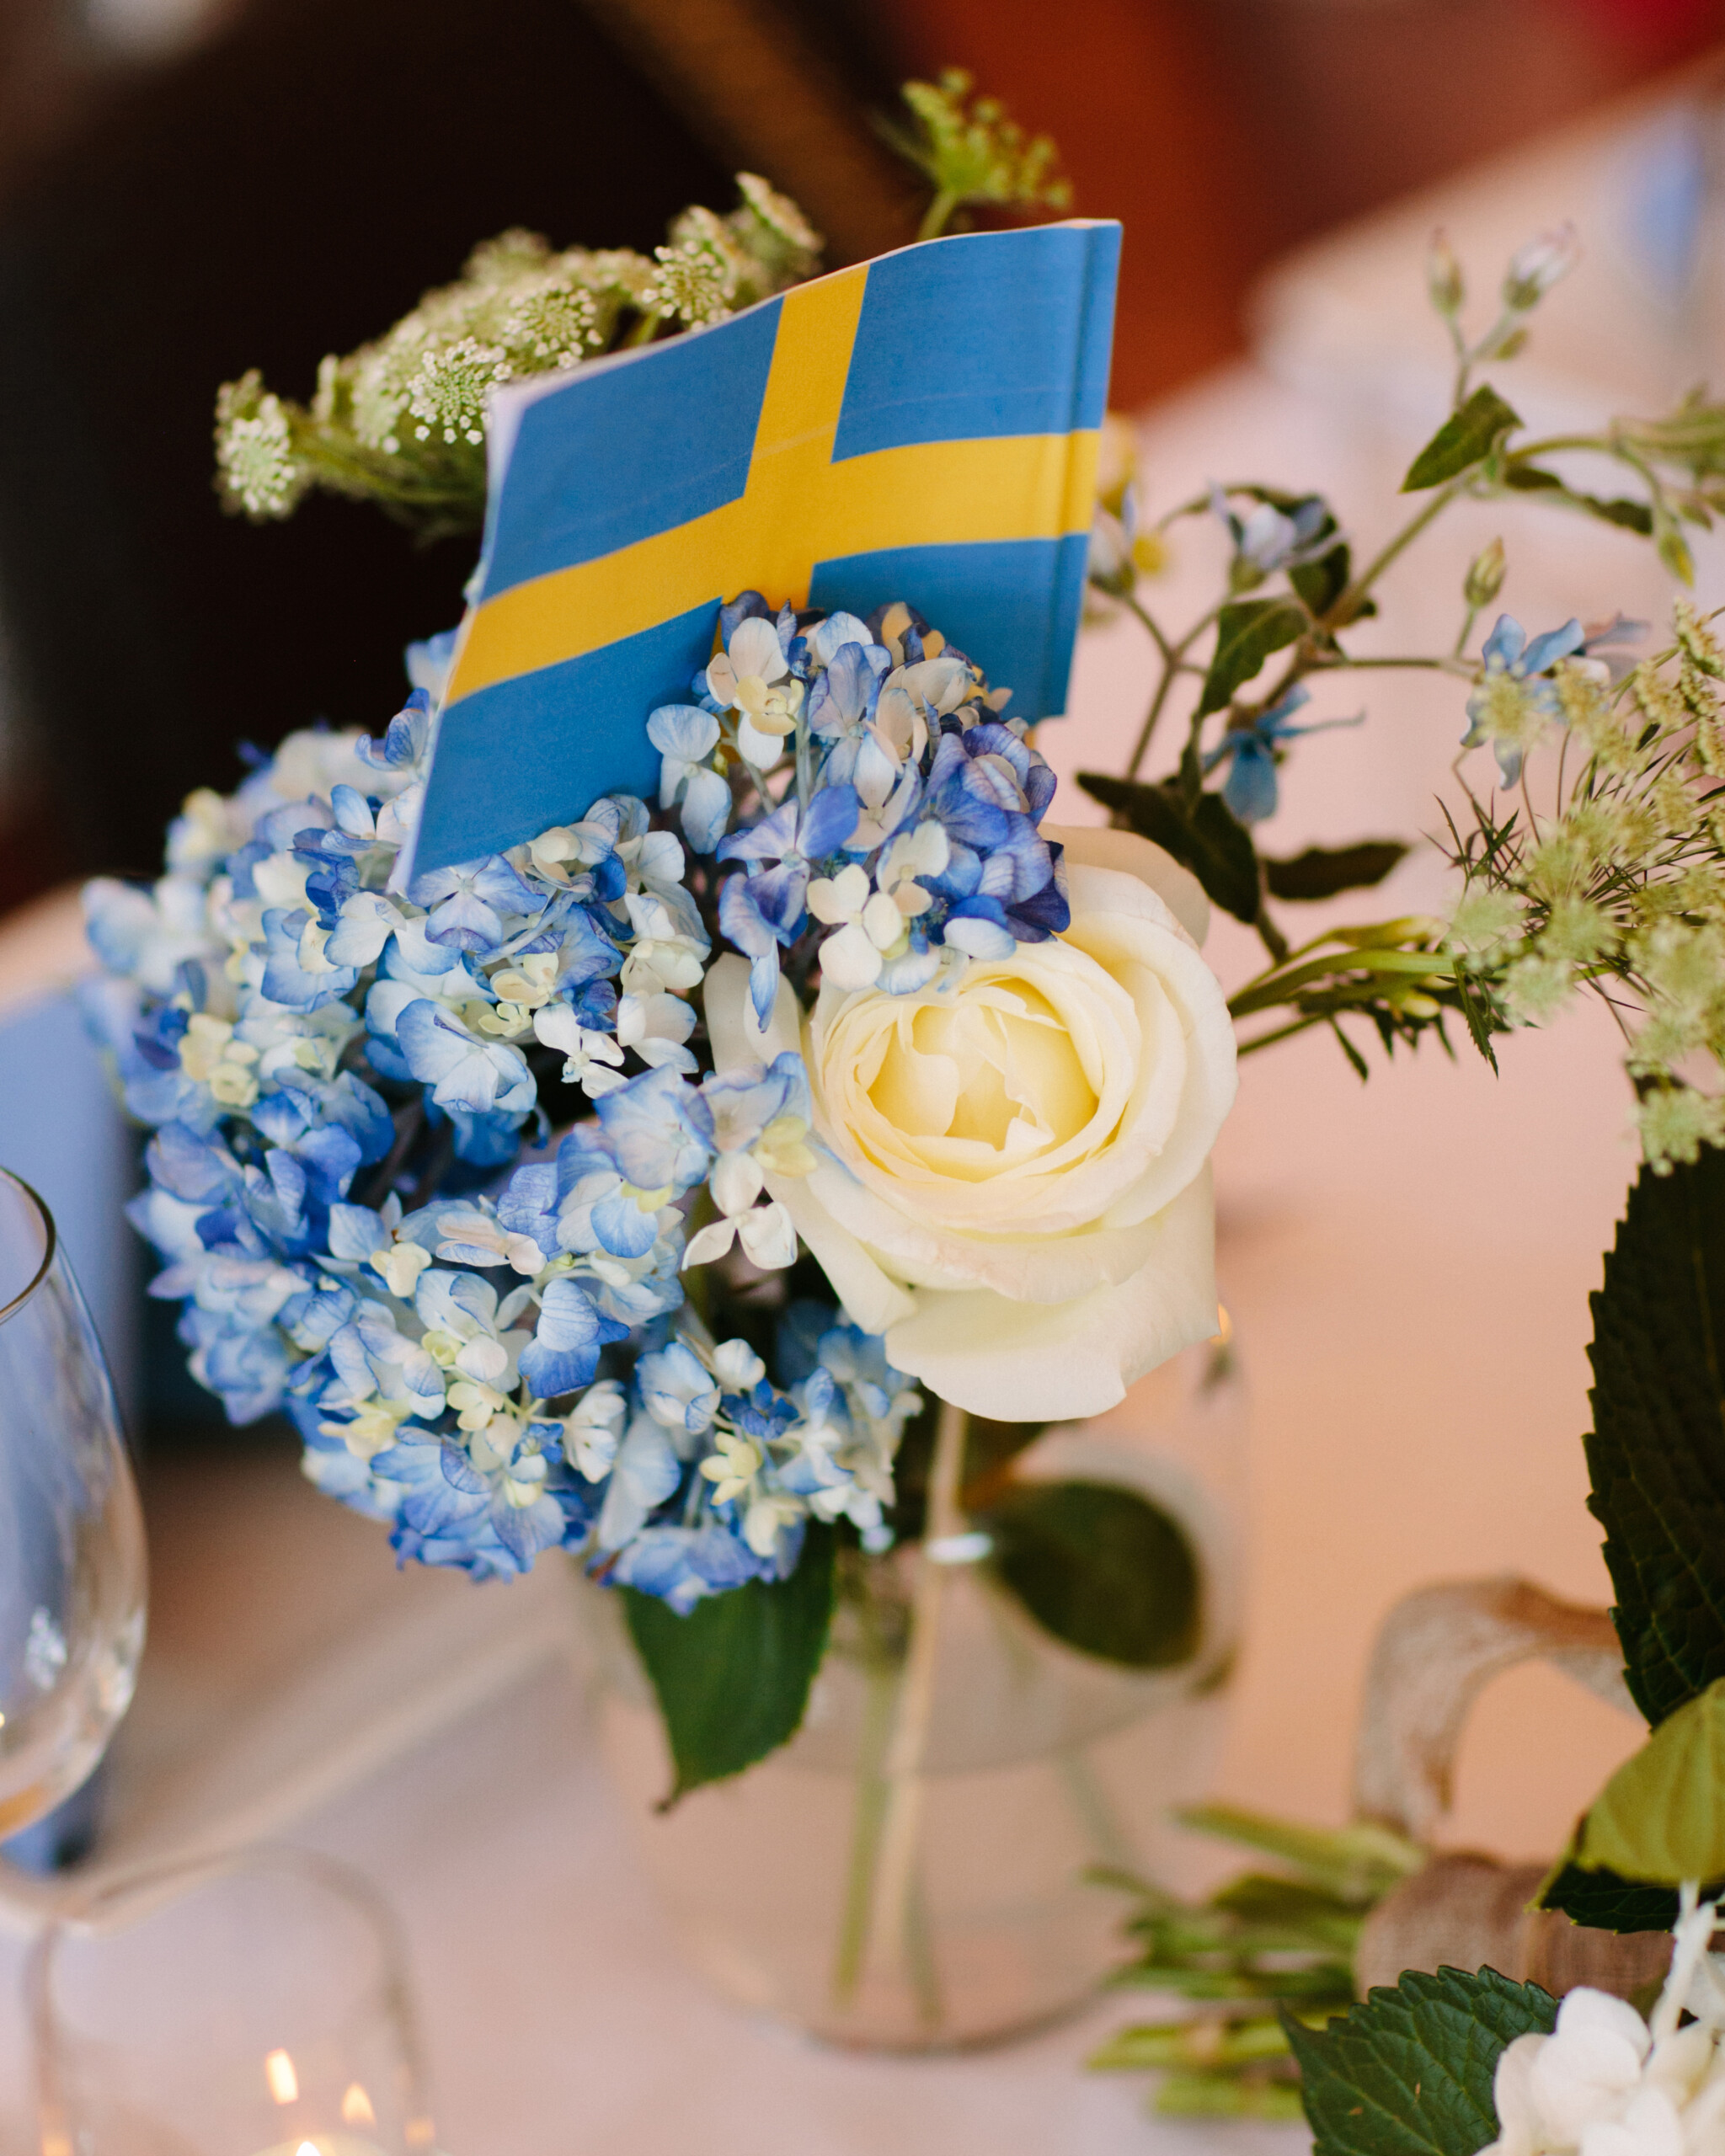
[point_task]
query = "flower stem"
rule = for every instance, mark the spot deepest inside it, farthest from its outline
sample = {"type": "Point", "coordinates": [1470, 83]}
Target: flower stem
{"type": "Point", "coordinates": [934, 217]}
{"type": "Point", "coordinates": [1342, 611]}
{"type": "Point", "coordinates": [880, 1683]}
{"type": "Point", "coordinates": [894, 1922]}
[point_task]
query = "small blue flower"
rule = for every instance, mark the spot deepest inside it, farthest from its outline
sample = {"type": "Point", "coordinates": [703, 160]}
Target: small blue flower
{"type": "Point", "coordinates": [761, 910]}
{"type": "Point", "coordinates": [1511, 703]}
{"type": "Point", "coordinates": [654, 1130]}
{"type": "Point", "coordinates": [564, 1352]}
{"type": "Point", "coordinates": [676, 1389]}
{"type": "Point", "coordinates": [463, 1072]}
{"type": "Point", "coordinates": [409, 733]}
{"type": "Point", "coordinates": [1252, 789]}
{"type": "Point", "coordinates": [296, 974]}
{"type": "Point", "coordinates": [468, 903]}
{"type": "Point", "coordinates": [686, 736]}
{"type": "Point", "coordinates": [682, 1566]}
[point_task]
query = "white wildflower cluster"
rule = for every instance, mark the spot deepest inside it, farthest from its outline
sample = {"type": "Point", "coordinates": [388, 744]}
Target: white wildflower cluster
{"type": "Point", "coordinates": [1621, 887]}
{"type": "Point", "coordinates": [256, 466]}
{"type": "Point", "coordinates": [711, 266]}
{"type": "Point", "coordinates": [403, 419]}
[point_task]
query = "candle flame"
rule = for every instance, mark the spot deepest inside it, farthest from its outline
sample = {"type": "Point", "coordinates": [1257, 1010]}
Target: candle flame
{"type": "Point", "coordinates": [284, 2082]}
{"type": "Point", "coordinates": [356, 2107]}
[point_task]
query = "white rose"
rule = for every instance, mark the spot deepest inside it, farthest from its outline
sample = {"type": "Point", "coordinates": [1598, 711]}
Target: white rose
{"type": "Point", "coordinates": [1015, 1181]}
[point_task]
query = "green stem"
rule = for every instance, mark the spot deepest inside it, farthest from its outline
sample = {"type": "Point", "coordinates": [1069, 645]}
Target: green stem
{"type": "Point", "coordinates": [1279, 1033]}
{"type": "Point", "coordinates": [934, 217]}
{"type": "Point", "coordinates": [1346, 663]}
{"type": "Point", "coordinates": [1345, 607]}
{"type": "Point", "coordinates": [1280, 985]}
{"type": "Point", "coordinates": [867, 1819]}
{"type": "Point", "coordinates": [895, 1912]}
{"type": "Point", "coordinates": [1171, 666]}
{"type": "Point", "coordinates": [1549, 444]}
{"type": "Point", "coordinates": [1135, 605]}
{"type": "Point", "coordinates": [1270, 935]}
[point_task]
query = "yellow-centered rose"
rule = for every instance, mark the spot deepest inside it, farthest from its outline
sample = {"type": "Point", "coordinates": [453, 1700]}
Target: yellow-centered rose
{"type": "Point", "coordinates": [1014, 1186]}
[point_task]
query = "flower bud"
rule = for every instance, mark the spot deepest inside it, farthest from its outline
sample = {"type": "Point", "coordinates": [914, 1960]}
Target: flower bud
{"type": "Point", "coordinates": [1535, 267]}
{"type": "Point", "coordinates": [1443, 275]}
{"type": "Point", "coordinates": [1485, 575]}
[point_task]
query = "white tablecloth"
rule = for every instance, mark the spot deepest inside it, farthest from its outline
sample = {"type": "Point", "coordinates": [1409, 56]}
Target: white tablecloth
{"type": "Point", "coordinates": [558, 2020]}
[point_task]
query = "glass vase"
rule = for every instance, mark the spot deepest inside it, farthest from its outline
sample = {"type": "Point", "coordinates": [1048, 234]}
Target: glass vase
{"type": "Point", "coordinates": [914, 1870]}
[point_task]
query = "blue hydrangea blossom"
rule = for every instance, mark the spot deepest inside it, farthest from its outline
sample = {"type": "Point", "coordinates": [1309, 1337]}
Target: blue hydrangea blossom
{"type": "Point", "coordinates": [434, 1153]}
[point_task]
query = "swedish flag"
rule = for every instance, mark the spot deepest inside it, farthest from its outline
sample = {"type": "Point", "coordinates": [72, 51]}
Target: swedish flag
{"type": "Point", "coordinates": [923, 427]}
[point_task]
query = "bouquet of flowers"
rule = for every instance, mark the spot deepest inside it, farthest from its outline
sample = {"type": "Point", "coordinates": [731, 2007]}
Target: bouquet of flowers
{"type": "Point", "coordinates": [924, 1055]}
{"type": "Point", "coordinates": [688, 1187]}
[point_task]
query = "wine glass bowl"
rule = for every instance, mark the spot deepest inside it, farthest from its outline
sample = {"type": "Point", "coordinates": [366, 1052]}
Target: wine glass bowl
{"type": "Point", "coordinates": [72, 1543]}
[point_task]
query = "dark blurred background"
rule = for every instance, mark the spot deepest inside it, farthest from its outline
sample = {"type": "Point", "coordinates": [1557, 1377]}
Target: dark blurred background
{"type": "Point", "coordinates": [191, 187]}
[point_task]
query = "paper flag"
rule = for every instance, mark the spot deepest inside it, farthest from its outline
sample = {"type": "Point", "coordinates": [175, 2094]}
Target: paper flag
{"type": "Point", "coordinates": [921, 427]}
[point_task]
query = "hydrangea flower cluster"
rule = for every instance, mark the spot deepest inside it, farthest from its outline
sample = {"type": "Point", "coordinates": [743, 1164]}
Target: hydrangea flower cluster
{"type": "Point", "coordinates": [482, 1333]}
{"type": "Point", "coordinates": [908, 825]}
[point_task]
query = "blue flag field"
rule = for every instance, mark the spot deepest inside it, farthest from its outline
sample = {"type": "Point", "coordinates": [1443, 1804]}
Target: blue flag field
{"type": "Point", "coordinates": [920, 427]}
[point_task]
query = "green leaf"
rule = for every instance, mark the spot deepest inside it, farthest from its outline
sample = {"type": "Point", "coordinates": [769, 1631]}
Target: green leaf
{"type": "Point", "coordinates": [1321, 871]}
{"type": "Point", "coordinates": [1533, 479]}
{"type": "Point", "coordinates": [1359, 1863]}
{"type": "Point", "coordinates": [1247, 631]}
{"type": "Point", "coordinates": [1620, 510]}
{"type": "Point", "coordinates": [1100, 1567]}
{"type": "Point", "coordinates": [1661, 1818]}
{"type": "Point", "coordinates": [1208, 839]}
{"type": "Point", "coordinates": [733, 1675]}
{"type": "Point", "coordinates": [1605, 1902]}
{"type": "Point", "coordinates": [1409, 2073]}
{"type": "Point", "coordinates": [1321, 583]}
{"type": "Point", "coordinates": [1465, 437]}
{"type": "Point", "coordinates": [1673, 548]}
{"type": "Point", "coordinates": [1657, 1452]}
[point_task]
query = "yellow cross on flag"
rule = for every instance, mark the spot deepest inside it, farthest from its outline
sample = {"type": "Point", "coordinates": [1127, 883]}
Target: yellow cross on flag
{"type": "Point", "coordinates": [921, 427]}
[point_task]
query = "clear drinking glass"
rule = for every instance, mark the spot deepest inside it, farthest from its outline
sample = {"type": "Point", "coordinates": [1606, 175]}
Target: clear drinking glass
{"type": "Point", "coordinates": [72, 1541]}
{"type": "Point", "coordinates": [977, 1919]}
{"type": "Point", "coordinates": [256, 2006]}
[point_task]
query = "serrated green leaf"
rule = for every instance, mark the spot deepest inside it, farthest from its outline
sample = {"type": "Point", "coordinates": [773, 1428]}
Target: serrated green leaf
{"type": "Point", "coordinates": [1248, 631]}
{"type": "Point", "coordinates": [1661, 1818]}
{"type": "Point", "coordinates": [1207, 839]}
{"type": "Point", "coordinates": [733, 1675]}
{"type": "Point", "coordinates": [1321, 871]}
{"type": "Point", "coordinates": [1656, 1455]}
{"type": "Point", "coordinates": [1465, 437]}
{"type": "Point", "coordinates": [1409, 2072]}
{"type": "Point", "coordinates": [1100, 1567]}
{"type": "Point", "coordinates": [1605, 1902]}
